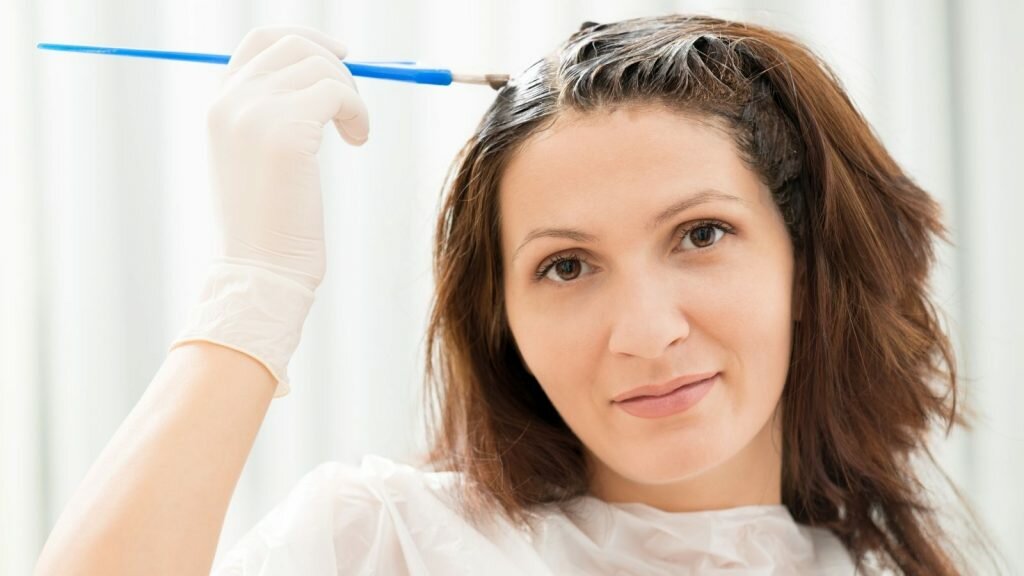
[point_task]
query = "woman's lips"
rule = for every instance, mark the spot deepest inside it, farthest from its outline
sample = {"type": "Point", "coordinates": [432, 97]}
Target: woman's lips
{"type": "Point", "coordinates": [674, 402]}
{"type": "Point", "coordinates": [663, 389]}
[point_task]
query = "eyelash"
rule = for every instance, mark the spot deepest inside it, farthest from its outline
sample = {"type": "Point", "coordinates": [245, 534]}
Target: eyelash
{"type": "Point", "coordinates": [682, 234]}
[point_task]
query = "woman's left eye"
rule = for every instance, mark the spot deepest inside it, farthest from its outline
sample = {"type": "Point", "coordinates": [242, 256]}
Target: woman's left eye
{"type": "Point", "coordinates": [704, 234]}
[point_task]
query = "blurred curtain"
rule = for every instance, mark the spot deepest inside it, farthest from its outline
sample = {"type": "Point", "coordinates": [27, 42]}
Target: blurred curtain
{"type": "Point", "coordinates": [105, 223]}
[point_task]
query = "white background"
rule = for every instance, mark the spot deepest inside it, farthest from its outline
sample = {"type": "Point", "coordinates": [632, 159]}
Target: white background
{"type": "Point", "coordinates": [105, 223]}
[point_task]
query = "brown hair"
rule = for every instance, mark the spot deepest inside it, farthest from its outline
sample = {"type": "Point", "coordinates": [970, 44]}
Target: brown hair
{"type": "Point", "coordinates": [871, 367]}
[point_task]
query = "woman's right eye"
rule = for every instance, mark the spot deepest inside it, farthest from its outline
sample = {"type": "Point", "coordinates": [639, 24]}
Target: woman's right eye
{"type": "Point", "coordinates": [566, 267]}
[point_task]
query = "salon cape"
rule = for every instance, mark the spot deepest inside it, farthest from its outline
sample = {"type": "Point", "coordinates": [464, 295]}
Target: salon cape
{"type": "Point", "coordinates": [389, 518]}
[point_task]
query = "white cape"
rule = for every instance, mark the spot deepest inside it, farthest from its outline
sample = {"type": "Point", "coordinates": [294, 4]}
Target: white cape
{"type": "Point", "coordinates": [389, 518]}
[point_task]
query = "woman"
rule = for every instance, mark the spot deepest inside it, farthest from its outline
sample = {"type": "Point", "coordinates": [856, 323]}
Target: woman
{"type": "Point", "coordinates": [681, 326]}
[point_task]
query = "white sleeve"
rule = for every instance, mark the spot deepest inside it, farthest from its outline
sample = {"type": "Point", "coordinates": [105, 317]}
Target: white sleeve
{"type": "Point", "coordinates": [332, 522]}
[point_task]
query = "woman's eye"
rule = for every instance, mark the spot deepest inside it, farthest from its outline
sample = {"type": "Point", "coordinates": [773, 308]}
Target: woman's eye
{"type": "Point", "coordinates": [703, 235]}
{"type": "Point", "coordinates": [566, 269]}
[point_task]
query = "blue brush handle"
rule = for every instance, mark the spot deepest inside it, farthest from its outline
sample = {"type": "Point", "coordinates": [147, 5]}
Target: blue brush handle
{"type": "Point", "coordinates": [401, 71]}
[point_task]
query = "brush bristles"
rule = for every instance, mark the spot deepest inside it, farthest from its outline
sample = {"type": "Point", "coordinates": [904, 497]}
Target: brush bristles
{"type": "Point", "coordinates": [496, 81]}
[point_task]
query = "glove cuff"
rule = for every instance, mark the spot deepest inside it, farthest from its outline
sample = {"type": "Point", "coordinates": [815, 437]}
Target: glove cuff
{"type": "Point", "coordinates": [252, 310]}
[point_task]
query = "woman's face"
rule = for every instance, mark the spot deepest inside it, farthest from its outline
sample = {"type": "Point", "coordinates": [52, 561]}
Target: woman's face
{"type": "Point", "coordinates": [642, 295]}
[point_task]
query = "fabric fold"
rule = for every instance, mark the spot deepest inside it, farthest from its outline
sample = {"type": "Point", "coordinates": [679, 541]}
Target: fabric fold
{"type": "Point", "coordinates": [387, 517]}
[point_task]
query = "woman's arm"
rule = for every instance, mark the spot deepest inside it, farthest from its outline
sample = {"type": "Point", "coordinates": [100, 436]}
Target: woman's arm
{"type": "Point", "coordinates": [154, 501]}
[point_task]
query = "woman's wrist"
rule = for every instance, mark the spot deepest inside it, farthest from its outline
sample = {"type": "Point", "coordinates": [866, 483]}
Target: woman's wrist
{"type": "Point", "coordinates": [252, 310]}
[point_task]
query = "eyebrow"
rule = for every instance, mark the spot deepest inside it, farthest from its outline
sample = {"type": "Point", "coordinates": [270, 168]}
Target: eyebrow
{"type": "Point", "coordinates": [701, 197]}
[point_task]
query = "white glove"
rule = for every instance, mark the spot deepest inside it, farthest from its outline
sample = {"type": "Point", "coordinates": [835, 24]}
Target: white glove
{"type": "Point", "coordinates": [264, 131]}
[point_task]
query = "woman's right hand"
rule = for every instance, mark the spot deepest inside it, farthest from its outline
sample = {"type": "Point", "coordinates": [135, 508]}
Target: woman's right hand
{"type": "Point", "coordinates": [265, 128]}
{"type": "Point", "coordinates": [283, 85]}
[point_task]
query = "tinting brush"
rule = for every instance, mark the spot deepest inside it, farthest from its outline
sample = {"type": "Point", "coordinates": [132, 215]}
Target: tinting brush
{"type": "Point", "coordinates": [402, 71]}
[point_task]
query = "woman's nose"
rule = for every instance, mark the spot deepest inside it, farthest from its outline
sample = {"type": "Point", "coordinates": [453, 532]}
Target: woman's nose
{"type": "Point", "coordinates": [647, 315]}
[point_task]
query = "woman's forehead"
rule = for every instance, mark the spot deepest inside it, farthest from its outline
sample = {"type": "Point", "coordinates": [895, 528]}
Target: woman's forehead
{"type": "Point", "coordinates": [632, 152]}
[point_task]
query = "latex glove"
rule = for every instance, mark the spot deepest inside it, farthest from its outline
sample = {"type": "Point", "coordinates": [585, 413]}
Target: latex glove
{"type": "Point", "coordinates": [264, 131]}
